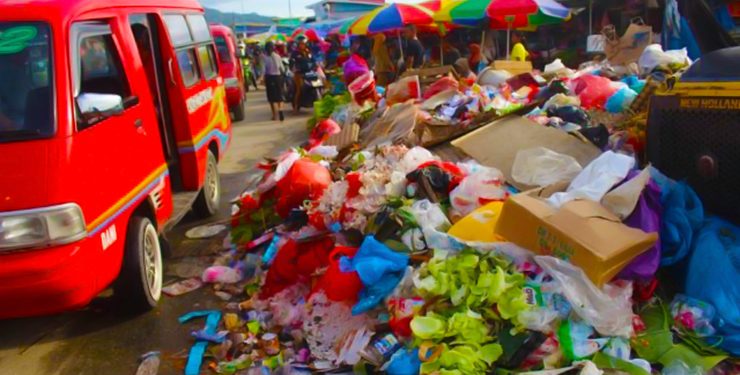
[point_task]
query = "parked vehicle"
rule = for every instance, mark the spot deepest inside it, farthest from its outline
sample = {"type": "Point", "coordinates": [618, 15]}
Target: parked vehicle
{"type": "Point", "coordinates": [112, 118]}
{"type": "Point", "coordinates": [230, 68]}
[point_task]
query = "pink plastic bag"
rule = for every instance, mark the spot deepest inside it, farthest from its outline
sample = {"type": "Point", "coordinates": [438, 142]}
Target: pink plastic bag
{"type": "Point", "coordinates": [593, 90]}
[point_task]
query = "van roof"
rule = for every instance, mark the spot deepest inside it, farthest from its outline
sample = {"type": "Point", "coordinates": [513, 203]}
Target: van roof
{"type": "Point", "coordinates": [48, 9]}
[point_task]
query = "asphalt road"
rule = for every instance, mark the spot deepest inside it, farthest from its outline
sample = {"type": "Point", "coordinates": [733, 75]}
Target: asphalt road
{"type": "Point", "coordinates": [101, 340]}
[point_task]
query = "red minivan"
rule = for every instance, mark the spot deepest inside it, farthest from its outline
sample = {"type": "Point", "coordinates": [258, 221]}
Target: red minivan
{"type": "Point", "coordinates": [230, 68]}
{"type": "Point", "coordinates": [112, 115]}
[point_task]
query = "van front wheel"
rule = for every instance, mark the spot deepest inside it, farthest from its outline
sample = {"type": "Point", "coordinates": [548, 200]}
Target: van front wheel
{"type": "Point", "coordinates": [206, 205]}
{"type": "Point", "coordinates": [139, 285]}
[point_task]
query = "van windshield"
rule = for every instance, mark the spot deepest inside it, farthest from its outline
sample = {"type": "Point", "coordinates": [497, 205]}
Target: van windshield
{"type": "Point", "coordinates": [223, 49]}
{"type": "Point", "coordinates": [26, 110]}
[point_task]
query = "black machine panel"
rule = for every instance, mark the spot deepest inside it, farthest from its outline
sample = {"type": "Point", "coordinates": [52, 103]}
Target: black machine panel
{"type": "Point", "coordinates": [698, 140]}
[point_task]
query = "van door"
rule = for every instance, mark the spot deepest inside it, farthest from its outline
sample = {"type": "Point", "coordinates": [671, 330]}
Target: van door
{"type": "Point", "coordinates": [147, 33]}
{"type": "Point", "coordinates": [197, 95]}
{"type": "Point", "coordinates": [116, 145]}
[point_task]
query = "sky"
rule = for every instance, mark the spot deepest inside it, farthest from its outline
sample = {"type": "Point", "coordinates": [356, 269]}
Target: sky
{"type": "Point", "coordinates": [277, 8]}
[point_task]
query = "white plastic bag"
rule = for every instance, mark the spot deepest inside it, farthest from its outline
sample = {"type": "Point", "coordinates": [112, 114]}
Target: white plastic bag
{"type": "Point", "coordinates": [414, 158]}
{"type": "Point", "coordinates": [478, 188]}
{"type": "Point", "coordinates": [596, 179]}
{"type": "Point", "coordinates": [492, 77]}
{"type": "Point", "coordinates": [434, 225]}
{"type": "Point", "coordinates": [609, 310]}
{"type": "Point", "coordinates": [654, 56]}
{"type": "Point", "coordinates": [541, 166]}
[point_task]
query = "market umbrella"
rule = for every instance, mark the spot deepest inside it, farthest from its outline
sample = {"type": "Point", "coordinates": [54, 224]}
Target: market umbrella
{"type": "Point", "coordinates": [503, 14]}
{"type": "Point", "coordinates": [343, 28]}
{"type": "Point", "coordinates": [277, 37]}
{"type": "Point", "coordinates": [392, 17]}
{"type": "Point", "coordinates": [310, 34]}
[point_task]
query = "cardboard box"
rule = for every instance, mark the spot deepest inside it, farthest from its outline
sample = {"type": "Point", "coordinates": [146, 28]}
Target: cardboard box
{"type": "Point", "coordinates": [582, 232]}
{"type": "Point", "coordinates": [496, 144]}
{"type": "Point", "coordinates": [513, 67]}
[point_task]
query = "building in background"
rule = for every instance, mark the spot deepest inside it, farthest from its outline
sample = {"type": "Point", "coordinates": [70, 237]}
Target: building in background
{"type": "Point", "coordinates": [341, 9]}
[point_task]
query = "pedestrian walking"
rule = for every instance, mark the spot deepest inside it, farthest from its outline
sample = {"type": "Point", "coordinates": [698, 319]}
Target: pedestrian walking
{"type": "Point", "coordinates": [273, 71]}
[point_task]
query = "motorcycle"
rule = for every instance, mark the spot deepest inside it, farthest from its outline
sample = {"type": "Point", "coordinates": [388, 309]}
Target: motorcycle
{"type": "Point", "coordinates": [249, 76]}
{"type": "Point", "coordinates": [313, 89]}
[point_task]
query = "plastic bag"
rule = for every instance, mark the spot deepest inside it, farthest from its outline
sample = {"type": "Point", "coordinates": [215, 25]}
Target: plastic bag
{"type": "Point", "coordinates": [596, 179]}
{"type": "Point", "coordinates": [305, 180]}
{"type": "Point", "coordinates": [414, 158]}
{"type": "Point", "coordinates": [434, 225]}
{"type": "Point", "coordinates": [593, 90]}
{"type": "Point", "coordinates": [338, 285]}
{"type": "Point", "coordinates": [477, 189]}
{"type": "Point", "coordinates": [380, 270]}
{"type": "Point", "coordinates": [621, 100]}
{"type": "Point", "coordinates": [492, 77]}
{"type": "Point", "coordinates": [654, 56]}
{"type": "Point", "coordinates": [442, 84]}
{"type": "Point", "coordinates": [541, 166]}
{"type": "Point", "coordinates": [645, 214]}
{"type": "Point", "coordinates": [716, 260]}
{"type": "Point", "coordinates": [560, 100]}
{"type": "Point", "coordinates": [403, 90]}
{"type": "Point", "coordinates": [683, 214]}
{"type": "Point", "coordinates": [221, 274]}
{"type": "Point", "coordinates": [362, 88]}
{"type": "Point", "coordinates": [609, 310]}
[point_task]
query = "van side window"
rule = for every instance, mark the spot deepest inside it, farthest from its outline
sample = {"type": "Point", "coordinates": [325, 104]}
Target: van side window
{"type": "Point", "coordinates": [199, 27]}
{"type": "Point", "coordinates": [101, 84]}
{"type": "Point", "coordinates": [178, 28]}
{"type": "Point", "coordinates": [188, 66]}
{"type": "Point", "coordinates": [207, 61]}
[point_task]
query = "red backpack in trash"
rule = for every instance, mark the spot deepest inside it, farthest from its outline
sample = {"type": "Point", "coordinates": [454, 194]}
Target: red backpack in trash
{"type": "Point", "coordinates": [306, 180]}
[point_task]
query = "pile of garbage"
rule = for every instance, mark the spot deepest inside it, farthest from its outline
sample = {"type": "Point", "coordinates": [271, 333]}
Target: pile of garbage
{"type": "Point", "coordinates": [536, 252]}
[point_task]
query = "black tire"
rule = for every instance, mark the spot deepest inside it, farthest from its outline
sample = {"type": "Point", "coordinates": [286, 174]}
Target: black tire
{"type": "Point", "coordinates": [139, 284]}
{"type": "Point", "coordinates": [206, 205]}
{"type": "Point", "coordinates": [238, 111]}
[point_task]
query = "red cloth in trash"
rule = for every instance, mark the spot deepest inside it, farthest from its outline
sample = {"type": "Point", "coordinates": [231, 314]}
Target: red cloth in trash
{"type": "Point", "coordinates": [296, 262]}
{"type": "Point", "coordinates": [306, 180]}
{"type": "Point", "coordinates": [337, 285]}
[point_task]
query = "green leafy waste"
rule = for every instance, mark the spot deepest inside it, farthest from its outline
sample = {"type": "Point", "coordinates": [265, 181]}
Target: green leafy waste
{"type": "Point", "coordinates": [474, 294]}
{"type": "Point", "coordinates": [323, 108]}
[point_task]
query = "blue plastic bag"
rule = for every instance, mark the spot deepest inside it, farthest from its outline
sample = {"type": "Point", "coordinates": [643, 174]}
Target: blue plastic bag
{"type": "Point", "coordinates": [621, 100]}
{"type": "Point", "coordinates": [683, 214]}
{"type": "Point", "coordinates": [380, 270]}
{"type": "Point", "coordinates": [714, 276]}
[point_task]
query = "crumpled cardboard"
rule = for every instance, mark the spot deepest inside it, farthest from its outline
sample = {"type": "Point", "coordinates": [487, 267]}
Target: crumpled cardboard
{"type": "Point", "coordinates": [497, 144]}
{"type": "Point", "coordinates": [582, 232]}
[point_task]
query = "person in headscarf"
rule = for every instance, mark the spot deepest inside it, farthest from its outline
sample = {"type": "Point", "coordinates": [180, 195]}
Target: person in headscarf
{"type": "Point", "coordinates": [384, 68]}
{"type": "Point", "coordinates": [475, 57]}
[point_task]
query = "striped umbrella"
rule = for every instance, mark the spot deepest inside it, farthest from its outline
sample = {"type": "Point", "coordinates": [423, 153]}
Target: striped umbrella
{"type": "Point", "coordinates": [503, 14]}
{"type": "Point", "coordinates": [391, 17]}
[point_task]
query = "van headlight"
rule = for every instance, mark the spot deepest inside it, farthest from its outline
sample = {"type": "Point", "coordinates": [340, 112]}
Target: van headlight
{"type": "Point", "coordinates": [55, 225]}
{"type": "Point", "coordinates": [231, 82]}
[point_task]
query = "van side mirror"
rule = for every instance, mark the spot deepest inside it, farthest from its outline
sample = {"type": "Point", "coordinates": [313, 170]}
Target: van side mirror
{"type": "Point", "coordinates": [97, 107]}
